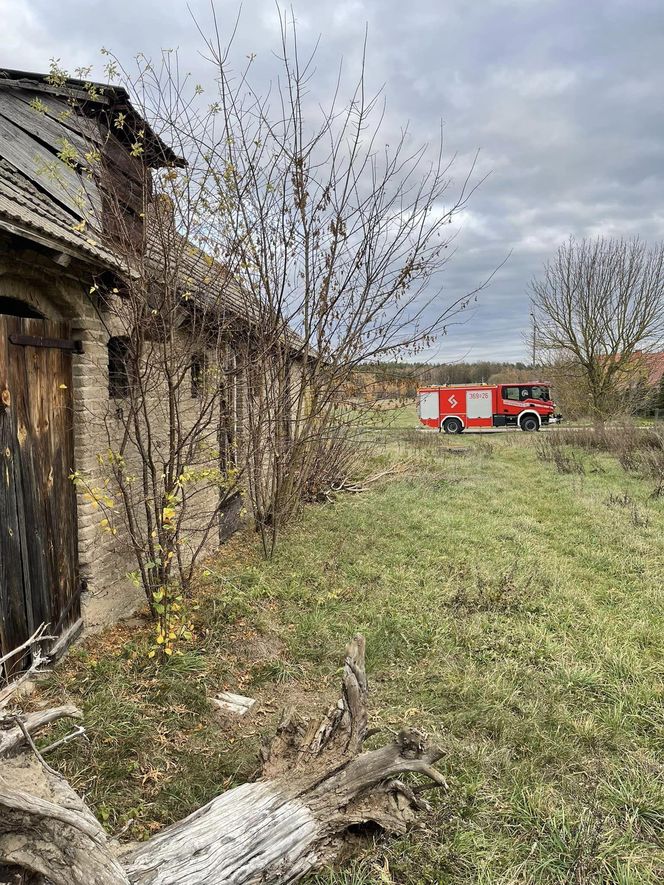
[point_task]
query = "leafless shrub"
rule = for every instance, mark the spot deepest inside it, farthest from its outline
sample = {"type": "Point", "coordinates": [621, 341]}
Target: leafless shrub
{"type": "Point", "coordinates": [639, 450]}
{"type": "Point", "coordinates": [658, 491]}
{"type": "Point", "coordinates": [339, 247]}
{"type": "Point", "coordinates": [484, 448]}
{"type": "Point", "coordinates": [565, 461]}
{"type": "Point", "coordinates": [170, 314]}
{"type": "Point", "coordinates": [611, 438]}
{"type": "Point", "coordinates": [637, 517]}
{"type": "Point", "coordinates": [648, 462]}
{"type": "Point", "coordinates": [623, 500]}
{"type": "Point", "coordinates": [338, 456]}
{"type": "Point", "coordinates": [422, 440]}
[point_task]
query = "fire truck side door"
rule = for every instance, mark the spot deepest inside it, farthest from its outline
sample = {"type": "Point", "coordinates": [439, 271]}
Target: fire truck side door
{"type": "Point", "coordinates": [429, 404]}
{"type": "Point", "coordinates": [479, 404]}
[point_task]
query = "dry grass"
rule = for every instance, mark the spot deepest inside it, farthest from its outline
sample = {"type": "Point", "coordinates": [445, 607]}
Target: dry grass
{"type": "Point", "coordinates": [639, 450]}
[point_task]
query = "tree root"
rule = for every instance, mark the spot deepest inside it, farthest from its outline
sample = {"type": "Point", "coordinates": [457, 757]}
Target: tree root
{"type": "Point", "coordinates": [317, 782]}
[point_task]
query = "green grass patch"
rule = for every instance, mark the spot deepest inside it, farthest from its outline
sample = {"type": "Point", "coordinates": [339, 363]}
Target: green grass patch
{"type": "Point", "coordinates": [514, 612]}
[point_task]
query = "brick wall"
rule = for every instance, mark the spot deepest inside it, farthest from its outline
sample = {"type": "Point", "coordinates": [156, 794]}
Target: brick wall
{"type": "Point", "coordinates": [105, 560]}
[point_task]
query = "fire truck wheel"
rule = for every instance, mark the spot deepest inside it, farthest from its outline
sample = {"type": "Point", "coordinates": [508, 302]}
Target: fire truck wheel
{"type": "Point", "coordinates": [529, 423]}
{"type": "Point", "coordinates": [452, 425]}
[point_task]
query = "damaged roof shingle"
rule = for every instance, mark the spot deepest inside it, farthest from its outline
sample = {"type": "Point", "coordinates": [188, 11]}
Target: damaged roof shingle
{"type": "Point", "coordinates": [27, 211]}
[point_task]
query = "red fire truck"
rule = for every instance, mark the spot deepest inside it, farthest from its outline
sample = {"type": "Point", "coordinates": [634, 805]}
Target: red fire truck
{"type": "Point", "coordinates": [457, 407]}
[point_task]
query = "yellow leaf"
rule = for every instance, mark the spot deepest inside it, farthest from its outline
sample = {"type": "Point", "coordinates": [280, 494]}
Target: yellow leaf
{"type": "Point", "coordinates": [62, 386]}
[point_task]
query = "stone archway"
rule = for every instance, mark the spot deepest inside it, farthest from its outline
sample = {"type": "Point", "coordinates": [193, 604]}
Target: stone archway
{"type": "Point", "coordinates": [16, 307]}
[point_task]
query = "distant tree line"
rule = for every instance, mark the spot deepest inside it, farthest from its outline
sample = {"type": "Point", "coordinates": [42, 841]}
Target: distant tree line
{"type": "Point", "coordinates": [394, 380]}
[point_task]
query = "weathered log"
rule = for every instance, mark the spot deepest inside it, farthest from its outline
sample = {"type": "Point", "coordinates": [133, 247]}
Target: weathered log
{"type": "Point", "coordinates": [45, 828]}
{"type": "Point", "coordinates": [317, 782]}
{"type": "Point", "coordinates": [31, 646]}
{"type": "Point", "coordinates": [61, 844]}
{"type": "Point", "coordinates": [12, 735]}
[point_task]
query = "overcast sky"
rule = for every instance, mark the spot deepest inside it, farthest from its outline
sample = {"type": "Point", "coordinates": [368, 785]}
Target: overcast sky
{"type": "Point", "coordinates": [562, 97]}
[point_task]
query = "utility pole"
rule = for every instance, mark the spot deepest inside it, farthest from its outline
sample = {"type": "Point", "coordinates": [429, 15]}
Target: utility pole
{"type": "Point", "coordinates": [534, 342]}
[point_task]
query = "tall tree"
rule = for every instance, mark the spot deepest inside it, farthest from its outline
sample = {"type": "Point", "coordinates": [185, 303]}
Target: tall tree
{"type": "Point", "coordinates": [598, 302]}
{"type": "Point", "coordinates": [293, 247]}
{"type": "Point", "coordinates": [338, 242]}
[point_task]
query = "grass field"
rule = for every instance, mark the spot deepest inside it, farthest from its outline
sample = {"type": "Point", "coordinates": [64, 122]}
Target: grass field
{"type": "Point", "coordinates": [515, 613]}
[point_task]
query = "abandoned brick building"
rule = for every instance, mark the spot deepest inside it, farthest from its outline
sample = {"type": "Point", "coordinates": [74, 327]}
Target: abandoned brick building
{"type": "Point", "coordinates": [59, 358]}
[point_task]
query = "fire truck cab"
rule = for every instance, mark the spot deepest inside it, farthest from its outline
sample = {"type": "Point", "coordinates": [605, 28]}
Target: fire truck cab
{"type": "Point", "coordinates": [457, 407]}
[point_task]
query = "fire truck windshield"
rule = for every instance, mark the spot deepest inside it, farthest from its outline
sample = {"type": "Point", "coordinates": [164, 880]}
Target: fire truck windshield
{"type": "Point", "coordinates": [540, 393]}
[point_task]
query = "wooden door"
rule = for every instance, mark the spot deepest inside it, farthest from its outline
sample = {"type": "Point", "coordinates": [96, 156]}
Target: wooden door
{"type": "Point", "coordinates": [38, 536]}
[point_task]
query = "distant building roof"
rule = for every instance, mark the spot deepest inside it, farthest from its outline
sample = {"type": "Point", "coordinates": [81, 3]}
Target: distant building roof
{"type": "Point", "coordinates": [651, 364]}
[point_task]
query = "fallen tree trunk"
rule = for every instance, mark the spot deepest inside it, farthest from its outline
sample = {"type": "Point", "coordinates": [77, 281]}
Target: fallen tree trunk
{"type": "Point", "coordinates": [317, 782]}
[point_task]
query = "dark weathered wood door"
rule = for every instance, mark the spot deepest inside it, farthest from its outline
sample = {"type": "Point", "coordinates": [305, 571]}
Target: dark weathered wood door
{"type": "Point", "coordinates": [38, 537]}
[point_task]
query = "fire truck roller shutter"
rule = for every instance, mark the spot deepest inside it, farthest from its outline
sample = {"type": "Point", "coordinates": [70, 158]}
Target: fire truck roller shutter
{"type": "Point", "coordinates": [428, 404]}
{"type": "Point", "coordinates": [479, 404]}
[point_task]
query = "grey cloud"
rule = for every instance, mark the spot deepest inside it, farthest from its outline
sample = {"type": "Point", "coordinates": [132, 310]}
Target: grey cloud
{"type": "Point", "coordinates": [562, 97]}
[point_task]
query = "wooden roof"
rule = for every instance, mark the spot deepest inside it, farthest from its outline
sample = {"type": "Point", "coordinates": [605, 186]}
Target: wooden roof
{"type": "Point", "coordinates": [99, 101]}
{"type": "Point", "coordinates": [28, 211]}
{"type": "Point", "coordinates": [46, 199]}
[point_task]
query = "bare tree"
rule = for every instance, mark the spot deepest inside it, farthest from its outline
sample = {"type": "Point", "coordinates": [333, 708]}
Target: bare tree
{"type": "Point", "coordinates": [339, 242]}
{"type": "Point", "coordinates": [171, 449]}
{"type": "Point", "coordinates": [285, 250]}
{"type": "Point", "coordinates": [597, 303]}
